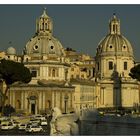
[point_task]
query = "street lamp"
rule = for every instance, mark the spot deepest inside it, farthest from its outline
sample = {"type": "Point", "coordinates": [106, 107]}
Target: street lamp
{"type": "Point", "coordinates": [66, 97]}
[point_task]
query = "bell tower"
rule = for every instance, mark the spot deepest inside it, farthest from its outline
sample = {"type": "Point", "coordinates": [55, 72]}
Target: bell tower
{"type": "Point", "coordinates": [44, 25]}
{"type": "Point", "coordinates": [114, 25]}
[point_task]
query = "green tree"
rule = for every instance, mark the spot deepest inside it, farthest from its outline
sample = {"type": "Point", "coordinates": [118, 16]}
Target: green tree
{"type": "Point", "coordinates": [11, 72]}
{"type": "Point", "coordinates": [135, 72]}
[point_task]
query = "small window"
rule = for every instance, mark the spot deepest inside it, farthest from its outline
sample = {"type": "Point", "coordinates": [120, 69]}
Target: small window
{"type": "Point", "coordinates": [125, 65]}
{"type": "Point", "coordinates": [53, 73]}
{"type": "Point", "coordinates": [26, 59]}
{"type": "Point", "coordinates": [72, 69]}
{"type": "Point", "coordinates": [52, 47]}
{"type": "Point", "coordinates": [35, 47]}
{"type": "Point", "coordinates": [110, 65]}
{"type": "Point", "coordinates": [34, 73]}
{"type": "Point", "coordinates": [114, 28]}
{"type": "Point", "coordinates": [110, 46]}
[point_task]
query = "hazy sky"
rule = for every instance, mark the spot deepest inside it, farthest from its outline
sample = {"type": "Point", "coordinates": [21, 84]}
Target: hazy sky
{"type": "Point", "coordinates": [80, 27]}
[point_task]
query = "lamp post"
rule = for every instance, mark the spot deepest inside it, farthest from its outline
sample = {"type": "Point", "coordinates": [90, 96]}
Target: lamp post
{"type": "Point", "coordinates": [66, 97]}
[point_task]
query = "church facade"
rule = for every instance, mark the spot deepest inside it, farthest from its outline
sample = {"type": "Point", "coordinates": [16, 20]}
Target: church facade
{"type": "Point", "coordinates": [49, 87]}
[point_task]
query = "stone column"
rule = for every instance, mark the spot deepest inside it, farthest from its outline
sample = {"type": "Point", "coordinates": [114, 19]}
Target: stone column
{"type": "Point", "coordinates": [13, 100]}
{"type": "Point", "coordinates": [52, 99]}
{"type": "Point", "coordinates": [40, 101]}
{"type": "Point", "coordinates": [26, 102]}
{"type": "Point", "coordinates": [22, 101]}
{"type": "Point", "coordinates": [10, 98]}
{"type": "Point", "coordinates": [43, 100]}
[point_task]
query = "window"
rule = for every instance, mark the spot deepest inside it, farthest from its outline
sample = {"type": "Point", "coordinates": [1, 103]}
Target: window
{"type": "Point", "coordinates": [110, 65]}
{"type": "Point", "coordinates": [34, 73]}
{"type": "Point", "coordinates": [114, 28]}
{"type": "Point", "coordinates": [35, 47]}
{"type": "Point", "coordinates": [72, 69]}
{"type": "Point", "coordinates": [124, 47]}
{"type": "Point", "coordinates": [110, 47]}
{"type": "Point", "coordinates": [125, 65]}
{"type": "Point", "coordinates": [26, 59]}
{"type": "Point", "coordinates": [51, 47]}
{"type": "Point", "coordinates": [46, 26]}
{"type": "Point", "coordinates": [53, 72]}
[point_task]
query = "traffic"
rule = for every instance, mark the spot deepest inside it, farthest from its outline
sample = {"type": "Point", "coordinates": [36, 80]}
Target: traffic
{"type": "Point", "coordinates": [25, 125]}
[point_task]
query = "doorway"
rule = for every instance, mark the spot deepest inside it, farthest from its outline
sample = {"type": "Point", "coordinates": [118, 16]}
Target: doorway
{"type": "Point", "coordinates": [33, 108]}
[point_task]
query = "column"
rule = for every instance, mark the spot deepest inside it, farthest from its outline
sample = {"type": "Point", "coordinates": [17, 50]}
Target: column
{"type": "Point", "coordinates": [47, 72]}
{"type": "Point", "coordinates": [13, 100]}
{"type": "Point", "coordinates": [43, 100]}
{"type": "Point", "coordinates": [52, 99]}
{"type": "Point", "coordinates": [40, 100]}
{"type": "Point", "coordinates": [10, 98]}
{"type": "Point", "coordinates": [26, 102]}
{"type": "Point", "coordinates": [22, 101]}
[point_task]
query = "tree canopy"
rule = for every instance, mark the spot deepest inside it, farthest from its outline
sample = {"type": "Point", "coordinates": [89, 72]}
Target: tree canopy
{"type": "Point", "coordinates": [135, 72]}
{"type": "Point", "coordinates": [11, 72]}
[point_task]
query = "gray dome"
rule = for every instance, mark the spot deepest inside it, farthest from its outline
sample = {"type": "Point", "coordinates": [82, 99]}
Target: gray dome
{"type": "Point", "coordinates": [44, 45]}
{"type": "Point", "coordinates": [11, 51]}
{"type": "Point", "coordinates": [115, 44]}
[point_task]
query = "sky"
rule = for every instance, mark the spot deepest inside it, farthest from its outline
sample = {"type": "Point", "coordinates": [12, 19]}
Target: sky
{"type": "Point", "coordinates": [80, 27]}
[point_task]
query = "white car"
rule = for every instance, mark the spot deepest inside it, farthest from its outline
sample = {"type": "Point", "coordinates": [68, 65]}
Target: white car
{"type": "Point", "coordinates": [7, 126]}
{"type": "Point", "coordinates": [34, 128]}
{"type": "Point", "coordinates": [44, 122]}
{"type": "Point", "coordinates": [22, 126]}
{"type": "Point", "coordinates": [15, 124]}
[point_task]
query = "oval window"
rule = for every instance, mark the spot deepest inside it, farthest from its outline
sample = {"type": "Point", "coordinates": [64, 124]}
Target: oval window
{"type": "Point", "coordinates": [35, 47]}
{"type": "Point", "coordinates": [52, 47]}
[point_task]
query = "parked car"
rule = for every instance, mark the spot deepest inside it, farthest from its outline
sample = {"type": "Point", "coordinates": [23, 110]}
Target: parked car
{"type": "Point", "coordinates": [43, 122]}
{"type": "Point", "coordinates": [7, 126]}
{"type": "Point", "coordinates": [22, 126]}
{"type": "Point", "coordinates": [15, 123]}
{"type": "Point", "coordinates": [34, 128]}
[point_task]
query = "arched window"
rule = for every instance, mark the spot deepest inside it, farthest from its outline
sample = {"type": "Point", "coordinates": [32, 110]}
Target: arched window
{"type": "Point", "coordinates": [46, 26]}
{"type": "Point", "coordinates": [53, 72]}
{"type": "Point", "coordinates": [113, 28]}
{"type": "Point", "coordinates": [125, 65]}
{"type": "Point", "coordinates": [110, 65]}
{"type": "Point", "coordinates": [26, 59]}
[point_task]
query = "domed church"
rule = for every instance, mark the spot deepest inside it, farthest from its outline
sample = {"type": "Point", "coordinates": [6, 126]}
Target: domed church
{"type": "Point", "coordinates": [114, 59]}
{"type": "Point", "coordinates": [107, 87]}
{"type": "Point", "coordinates": [50, 87]}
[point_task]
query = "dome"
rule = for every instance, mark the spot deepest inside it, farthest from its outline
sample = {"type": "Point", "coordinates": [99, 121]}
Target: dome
{"type": "Point", "coordinates": [43, 43]}
{"type": "Point", "coordinates": [11, 51]}
{"type": "Point", "coordinates": [44, 46]}
{"type": "Point", "coordinates": [114, 43]}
